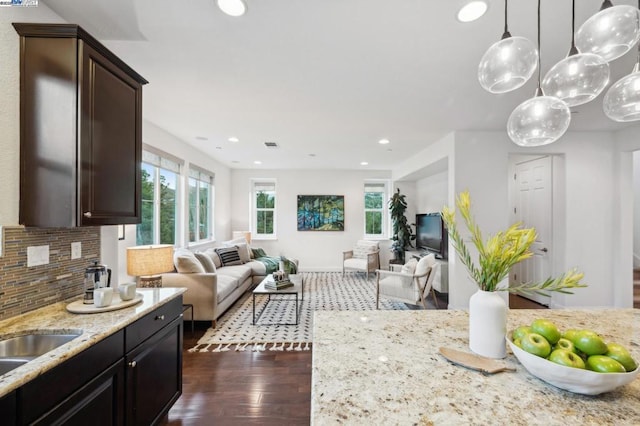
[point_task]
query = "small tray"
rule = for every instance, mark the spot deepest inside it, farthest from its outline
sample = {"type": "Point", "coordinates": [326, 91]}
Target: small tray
{"type": "Point", "coordinates": [79, 307]}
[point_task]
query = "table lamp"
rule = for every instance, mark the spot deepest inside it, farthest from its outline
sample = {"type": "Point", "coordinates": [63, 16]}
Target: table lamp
{"type": "Point", "coordinates": [146, 262]}
{"type": "Point", "coordinates": [242, 234]}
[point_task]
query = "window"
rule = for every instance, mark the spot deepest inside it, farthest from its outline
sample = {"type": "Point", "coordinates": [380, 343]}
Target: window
{"type": "Point", "coordinates": [375, 209]}
{"type": "Point", "coordinates": [201, 191]}
{"type": "Point", "coordinates": [160, 177]}
{"type": "Point", "coordinates": [264, 209]}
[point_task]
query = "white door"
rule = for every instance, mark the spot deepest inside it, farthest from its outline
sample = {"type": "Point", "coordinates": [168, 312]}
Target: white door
{"type": "Point", "coordinates": [534, 209]}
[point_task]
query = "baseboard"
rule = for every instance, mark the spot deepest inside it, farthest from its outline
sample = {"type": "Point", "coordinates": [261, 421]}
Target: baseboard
{"type": "Point", "coordinates": [319, 269]}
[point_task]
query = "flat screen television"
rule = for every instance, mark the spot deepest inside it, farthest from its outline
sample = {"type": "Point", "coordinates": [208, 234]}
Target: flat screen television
{"type": "Point", "coordinates": [431, 234]}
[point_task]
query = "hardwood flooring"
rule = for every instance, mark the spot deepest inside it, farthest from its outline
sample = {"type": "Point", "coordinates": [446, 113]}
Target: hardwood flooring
{"type": "Point", "coordinates": [251, 388]}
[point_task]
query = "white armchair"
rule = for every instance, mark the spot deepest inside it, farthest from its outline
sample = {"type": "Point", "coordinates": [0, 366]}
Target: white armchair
{"type": "Point", "coordinates": [411, 285]}
{"type": "Point", "coordinates": [365, 257]}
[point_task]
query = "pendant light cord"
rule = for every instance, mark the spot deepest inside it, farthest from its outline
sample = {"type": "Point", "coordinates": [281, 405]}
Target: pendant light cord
{"type": "Point", "coordinates": [539, 89]}
{"type": "Point", "coordinates": [506, 33]}
{"type": "Point", "coordinates": [573, 50]}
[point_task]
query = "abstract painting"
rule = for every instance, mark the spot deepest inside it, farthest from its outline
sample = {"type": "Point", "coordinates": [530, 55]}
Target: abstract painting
{"type": "Point", "coordinates": [320, 213]}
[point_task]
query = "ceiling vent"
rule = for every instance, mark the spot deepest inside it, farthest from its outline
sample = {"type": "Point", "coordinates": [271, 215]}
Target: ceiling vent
{"type": "Point", "coordinates": [271, 145]}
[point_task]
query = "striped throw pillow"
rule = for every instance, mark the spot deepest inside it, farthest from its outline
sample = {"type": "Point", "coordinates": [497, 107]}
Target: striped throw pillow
{"type": "Point", "coordinates": [229, 256]}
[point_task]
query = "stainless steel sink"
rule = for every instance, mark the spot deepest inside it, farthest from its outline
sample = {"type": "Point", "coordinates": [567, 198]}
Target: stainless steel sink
{"type": "Point", "coordinates": [19, 350]}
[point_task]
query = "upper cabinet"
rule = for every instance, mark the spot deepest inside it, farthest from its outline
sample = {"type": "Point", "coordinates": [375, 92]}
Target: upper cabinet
{"type": "Point", "coordinates": [80, 130]}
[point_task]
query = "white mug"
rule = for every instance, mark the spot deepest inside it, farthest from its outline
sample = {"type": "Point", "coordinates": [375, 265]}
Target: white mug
{"type": "Point", "coordinates": [102, 297]}
{"type": "Point", "coordinates": [127, 291]}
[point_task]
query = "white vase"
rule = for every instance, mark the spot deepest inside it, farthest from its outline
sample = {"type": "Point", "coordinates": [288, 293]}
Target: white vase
{"type": "Point", "coordinates": [487, 324]}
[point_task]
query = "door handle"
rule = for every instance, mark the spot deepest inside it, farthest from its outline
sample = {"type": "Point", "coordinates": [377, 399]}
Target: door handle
{"type": "Point", "coordinates": [133, 364]}
{"type": "Point", "coordinates": [87, 214]}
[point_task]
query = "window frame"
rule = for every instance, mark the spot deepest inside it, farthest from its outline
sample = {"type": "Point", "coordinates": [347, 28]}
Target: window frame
{"type": "Point", "coordinates": [160, 160]}
{"type": "Point", "coordinates": [255, 209]}
{"type": "Point", "coordinates": [384, 210]}
{"type": "Point", "coordinates": [200, 174]}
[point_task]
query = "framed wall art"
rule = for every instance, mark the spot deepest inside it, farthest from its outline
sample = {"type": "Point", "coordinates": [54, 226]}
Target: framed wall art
{"type": "Point", "coordinates": [320, 213]}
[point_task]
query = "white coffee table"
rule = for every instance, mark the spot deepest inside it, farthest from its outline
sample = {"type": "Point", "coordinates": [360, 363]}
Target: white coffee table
{"type": "Point", "coordinates": [289, 294]}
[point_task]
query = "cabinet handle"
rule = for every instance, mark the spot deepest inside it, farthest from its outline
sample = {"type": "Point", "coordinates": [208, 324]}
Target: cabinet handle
{"type": "Point", "coordinates": [160, 317]}
{"type": "Point", "coordinates": [87, 214]}
{"type": "Point", "coordinates": [133, 364]}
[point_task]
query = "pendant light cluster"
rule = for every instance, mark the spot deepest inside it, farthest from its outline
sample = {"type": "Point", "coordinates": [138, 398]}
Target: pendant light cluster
{"type": "Point", "coordinates": [575, 80]}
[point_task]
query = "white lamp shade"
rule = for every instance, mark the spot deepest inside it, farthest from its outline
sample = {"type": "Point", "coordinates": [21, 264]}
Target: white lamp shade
{"type": "Point", "coordinates": [611, 32]}
{"type": "Point", "coordinates": [538, 121]}
{"type": "Point", "coordinates": [577, 79]}
{"type": "Point", "coordinates": [149, 260]}
{"type": "Point", "coordinates": [507, 64]}
{"type": "Point", "coordinates": [622, 100]}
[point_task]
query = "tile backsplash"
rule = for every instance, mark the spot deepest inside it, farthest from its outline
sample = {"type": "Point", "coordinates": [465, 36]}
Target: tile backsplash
{"type": "Point", "coordinates": [24, 288]}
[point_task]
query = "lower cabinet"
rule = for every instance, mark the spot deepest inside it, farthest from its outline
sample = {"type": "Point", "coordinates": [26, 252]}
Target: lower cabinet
{"type": "Point", "coordinates": [132, 377]}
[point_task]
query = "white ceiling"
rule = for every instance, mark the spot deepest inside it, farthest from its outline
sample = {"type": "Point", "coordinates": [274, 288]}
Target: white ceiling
{"type": "Point", "coordinates": [325, 77]}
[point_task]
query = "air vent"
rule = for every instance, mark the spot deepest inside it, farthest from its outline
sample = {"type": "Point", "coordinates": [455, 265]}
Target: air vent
{"type": "Point", "coordinates": [271, 145]}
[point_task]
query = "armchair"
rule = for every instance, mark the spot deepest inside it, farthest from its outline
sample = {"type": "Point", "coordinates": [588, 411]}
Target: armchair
{"type": "Point", "coordinates": [365, 257]}
{"type": "Point", "coordinates": [411, 285]}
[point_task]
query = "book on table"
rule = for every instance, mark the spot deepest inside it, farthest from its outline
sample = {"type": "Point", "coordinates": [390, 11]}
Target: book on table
{"type": "Point", "coordinates": [278, 285]}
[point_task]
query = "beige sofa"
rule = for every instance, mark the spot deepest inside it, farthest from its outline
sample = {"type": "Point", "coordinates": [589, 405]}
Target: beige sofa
{"type": "Point", "coordinates": [213, 285]}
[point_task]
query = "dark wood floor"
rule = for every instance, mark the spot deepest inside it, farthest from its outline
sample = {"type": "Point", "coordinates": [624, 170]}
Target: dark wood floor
{"type": "Point", "coordinates": [244, 388]}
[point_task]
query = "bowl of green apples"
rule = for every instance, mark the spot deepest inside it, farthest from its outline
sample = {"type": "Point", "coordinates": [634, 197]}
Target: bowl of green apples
{"type": "Point", "coordinates": [577, 360]}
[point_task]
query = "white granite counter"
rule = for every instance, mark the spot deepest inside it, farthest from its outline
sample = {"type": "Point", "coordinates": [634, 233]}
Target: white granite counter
{"type": "Point", "coordinates": [94, 327]}
{"type": "Point", "coordinates": [383, 368]}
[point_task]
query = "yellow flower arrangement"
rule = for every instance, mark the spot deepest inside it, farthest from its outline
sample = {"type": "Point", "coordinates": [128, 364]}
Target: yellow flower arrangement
{"type": "Point", "coordinates": [500, 253]}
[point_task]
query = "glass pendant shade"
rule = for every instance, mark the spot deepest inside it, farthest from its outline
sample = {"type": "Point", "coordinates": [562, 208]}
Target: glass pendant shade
{"type": "Point", "coordinates": [507, 65]}
{"type": "Point", "coordinates": [577, 79]}
{"type": "Point", "coordinates": [610, 33]}
{"type": "Point", "coordinates": [622, 100]}
{"type": "Point", "coordinates": [538, 121]}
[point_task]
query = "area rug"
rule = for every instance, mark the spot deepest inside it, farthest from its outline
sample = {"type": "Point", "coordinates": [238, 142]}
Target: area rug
{"type": "Point", "coordinates": [323, 291]}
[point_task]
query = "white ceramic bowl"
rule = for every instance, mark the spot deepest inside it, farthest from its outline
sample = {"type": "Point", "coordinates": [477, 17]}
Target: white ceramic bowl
{"type": "Point", "coordinates": [572, 379]}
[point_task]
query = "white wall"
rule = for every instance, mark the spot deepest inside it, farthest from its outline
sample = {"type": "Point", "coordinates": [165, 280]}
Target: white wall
{"type": "Point", "coordinates": [636, 209]}
{"type": "Point", "coordinates": [10, 104]}
{"type": "Point", "coordinates": [316, 250]}
{"type": "Point", "coordinates": [432, 193]}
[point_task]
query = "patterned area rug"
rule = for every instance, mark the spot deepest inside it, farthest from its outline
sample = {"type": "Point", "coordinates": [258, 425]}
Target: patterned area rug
{"type": "Point", "coordinates": [323, 291]}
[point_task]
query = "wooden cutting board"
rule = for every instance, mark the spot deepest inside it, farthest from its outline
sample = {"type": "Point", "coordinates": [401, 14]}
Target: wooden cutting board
{"type": "Point", "coordinates": [474, 362]}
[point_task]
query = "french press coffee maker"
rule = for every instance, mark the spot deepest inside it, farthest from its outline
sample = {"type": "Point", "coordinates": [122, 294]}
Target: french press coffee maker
{"type": "Point", "coordinates": [95, 276]}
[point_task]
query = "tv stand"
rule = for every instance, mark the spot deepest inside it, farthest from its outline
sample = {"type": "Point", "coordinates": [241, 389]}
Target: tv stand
{"type": "Point", "coordinates": [441, 280]}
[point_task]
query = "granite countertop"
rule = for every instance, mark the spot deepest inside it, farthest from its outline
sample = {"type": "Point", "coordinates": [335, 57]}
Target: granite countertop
{"type": "Point", "coordinates": [94, 328]}
{"type": "Point", "coordinates": [383, 367]}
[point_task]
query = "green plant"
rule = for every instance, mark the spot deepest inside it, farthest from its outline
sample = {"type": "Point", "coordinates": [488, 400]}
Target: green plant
{"type": "Point", "coordinates": [499, 253]}
{"type": "Point", "coordinates": [402, 234]}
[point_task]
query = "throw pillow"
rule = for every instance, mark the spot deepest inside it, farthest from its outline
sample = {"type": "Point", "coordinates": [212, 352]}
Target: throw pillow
{"type": "Point", "coordinates": [206, 261]}
{"type": "Point", "coordinates": [186, 262]}
{"type": "Point", "coordinates": [243, 251]}
{"type": "Point", "coordinates": [214, 256]}
{"type": "Point", "coordinates": [425, 263]}
{"type": "Point", "coordinates": [242, 245]}
{"type": "Point", "coordinates": [257, 252]}
{"type": "Point", "coordinates": [409, 268]}
{"type": "Point", "coordinates": [229, 256]}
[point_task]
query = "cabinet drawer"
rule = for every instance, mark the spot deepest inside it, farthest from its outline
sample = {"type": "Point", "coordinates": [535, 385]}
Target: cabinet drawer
{"type": "Point", "coordinates": [151, 323]}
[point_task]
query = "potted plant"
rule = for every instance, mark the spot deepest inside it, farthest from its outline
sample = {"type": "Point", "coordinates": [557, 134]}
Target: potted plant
{"type": "Point", "coordinates": [402, 234]}
{"type": "Point", "coordinates": [496, 256]}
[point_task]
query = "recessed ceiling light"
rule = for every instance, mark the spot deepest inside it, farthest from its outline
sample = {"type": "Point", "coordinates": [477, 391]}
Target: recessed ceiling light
{"type": "Point", "coordinates": [233, 7]}
{"type": "Point", "coordinates": [202, 138]}
{"type": "Point", "coordinates": [472, 11]}
{"type": "Point", "coordinates": [312, 155]}
{"type": "Point", "coordinates": [233, 139]}
{"type": "Point", "coordinates": [235, 161]}
{"type": "Point", "coordinates": [218, 147]}
{"type": "Point", "coordinates": [383, 141]}
{"type": "Point", "coordinates": [257, 162]}
{"type": "Point", "coordinates": [364, 163]}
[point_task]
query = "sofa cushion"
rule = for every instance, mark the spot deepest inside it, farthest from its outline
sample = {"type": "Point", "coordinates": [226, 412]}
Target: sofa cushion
{"type": "Point", "coordinates": [226, 285]}
{"type": "Point", "coordinates": [206, 261]}
{"type": "Point", "coordinates": [229, 256]}
{"type": "Point", "coordinates": [242, 245]}
{"type": "Point", "coordinates": [186, 262]}
{"type": "Point", "coordinates": [363, 248]}
{"type": "Point", "coordinates": [354, 263]}
{"type": "Point", "coordinates": [243, 251]}
{"type": "Point", "coordinates": [257, 268]}
{"type": "Point", "coordinates": [239, 272]}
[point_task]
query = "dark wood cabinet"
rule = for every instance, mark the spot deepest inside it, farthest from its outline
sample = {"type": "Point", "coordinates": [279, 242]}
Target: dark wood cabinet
{"type": "Point", "coordinates": [8, 409]}
{"type": "Point", "coordinates": [80, 130]}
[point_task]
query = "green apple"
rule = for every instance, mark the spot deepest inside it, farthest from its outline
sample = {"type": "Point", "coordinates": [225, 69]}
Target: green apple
{"type": "Point", "coordinates": [567, 358]}
{"type": "Point", "coordinates": [565, 344]}
{"type": "Point", "coordinates": [536, 344]}
{"type": "Point", "coordinates": [546, 328]}
{"type": "Point", "coordinates": [590, 343]}
{"type": "Point", "coordinates": [570, 334]}
{"type": "Point", "coordinates": [518, 343]}
{"type": "Point", "coordinates": [622, 355]}
{"type": "Point", "coordinates": [604, 364]}
{"type": "Point", "coordinates": [520, 331]}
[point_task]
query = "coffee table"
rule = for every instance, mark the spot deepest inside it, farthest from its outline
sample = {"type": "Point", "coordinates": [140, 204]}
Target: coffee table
{"type": "Point", "coordinates": [289, 294]}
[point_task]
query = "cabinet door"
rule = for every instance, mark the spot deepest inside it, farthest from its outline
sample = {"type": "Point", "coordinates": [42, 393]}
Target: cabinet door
{"type": "Point", "coordinates": [8, 411]}
{"type": "Point", "coordinates": [98, 403]}
{"type": "Point", "coordinates": [154, 376]}
{"type": "Point", "coordinates": [110, 142]}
